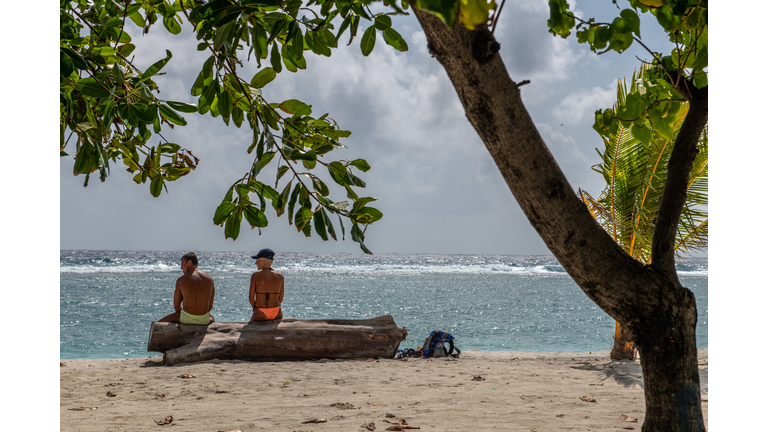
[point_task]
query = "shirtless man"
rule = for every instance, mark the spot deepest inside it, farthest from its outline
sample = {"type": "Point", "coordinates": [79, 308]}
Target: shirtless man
{"type": "Point", "coordinates": [195, 291]}
{"type": "Point", "coordinates": [267, 289]}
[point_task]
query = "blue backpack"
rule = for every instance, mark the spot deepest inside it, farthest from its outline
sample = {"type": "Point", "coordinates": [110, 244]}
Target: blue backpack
{"type": "Point", "coordinates": [434, 346]}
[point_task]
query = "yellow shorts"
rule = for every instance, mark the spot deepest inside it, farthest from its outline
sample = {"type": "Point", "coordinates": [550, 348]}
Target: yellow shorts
{"type": "Point", "coordinates": [194, 319]}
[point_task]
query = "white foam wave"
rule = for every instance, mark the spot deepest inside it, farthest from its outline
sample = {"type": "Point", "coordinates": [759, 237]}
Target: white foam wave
{"type": "Point", "coordinates": [138, 268]}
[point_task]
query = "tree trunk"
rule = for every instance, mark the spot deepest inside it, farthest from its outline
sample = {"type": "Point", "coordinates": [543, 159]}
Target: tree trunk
{"type": "Point", "coordinates": [649, 300]}
{"type": "Point", "coordinates": [286, 339]}
{"type": "Point", "coordinates": [623, 344]}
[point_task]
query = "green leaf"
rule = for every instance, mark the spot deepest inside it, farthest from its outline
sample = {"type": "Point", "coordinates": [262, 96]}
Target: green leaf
{"type": "Point", "coordinates": [382, 22]}
{"type": "Point", "coordinates": [182, 106]}
{"type": "Point", "coordinates": [634, 105]}
{"type": "Point", "coordinates": [263, 77]}
{"type": "Point", "coordinates": [368, 40]}
{"type": "Point", "coordinates": [222, 34]}
{"type": "Point", "coordinates": [360, 164]}
{"type": "Point", "coordinates": [295, 107]}
{"type": "Point", "coordinates": [320, 225]}
{"type": "Point", "coordinates": [91, 87]}
{"type": "Point", "coordinates": [171, 115]}
{"type": "Point", "coordinates": [225, 104]}
{"type": "Point", "coordinates": [264, 160]}
{"type": "Point", "coordinates": [358, 237]}
{"type": "Point", "coordinates": [156, 186]}
{"type": "Point", "coordinates": [65, 65]}
{"type": "Point", "coordinates": [474, 13]}
{"type": "Point", "coordinates": [172, 25]}
{"type": "Point", "coordinates": [328, 223]}
{"type": "Point", "coordinates": [443, 9]}
{"type": "Point", "coordinates": [157, 66]}
{"type": "Point", "coordinates": [394, 39]}
{"type": "Point", "coordinates": [274, 58]}
{"type": "Point", "coordinates": [360, 203]}
{"type": "Point", "coordinates": [374, 213]}
{"type": "Point", "coordinates": [700, 80]}
{"type": "Point", "coordinates": [77, 60]}
{"type": "Point", "coordinates": [632, 20]}
{"type": "Point", "coordinates": [232, 226]}
{"type": "Point", "coordinates": [339, 174]}
{"type": "Point", "coordinates": [560, 20]}
{"type": "Point", "coordinates": [255, 217]}
{"type": "Point", "coordinates": [302, 218]}
{"type": "Point", "coordinates": [642, 133]}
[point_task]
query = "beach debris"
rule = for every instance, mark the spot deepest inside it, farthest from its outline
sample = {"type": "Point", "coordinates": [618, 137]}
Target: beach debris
{"type": "Point", "coordinates": [368, 360]}
{"type": "Point", "coordinates": [478, 378]}
{"type": "Point", "coordinates": [377, 404]}
{"type": "Point", "coordinates": [161, 395]}
{"type": "Point", "coordinates": [110, 394]}
{"type": "Point", "coordinates": [343, 405]}
{"type": "Point", "coordinates": [186, 376]}
{"type": "Point", "coordinates": [401, 428]}
{"type": "Point", "coordinates": [627, 428]}
{"type": "Point", "coordinates": [286, 383]}
{"type": "Point", "coordinates": [397, 422]}
{"type": "Point", "coordinates": [370, 426]}
{"type": "Point", "coordinates": [301, 430]}
{"type": "Point", "coordinates": [317, 420]}
{"type": "Point", "coordinates": [560, 415]}
{"type": "Point", "coordinates": [83, 408]}
{"type": "Point", "coordinates": [233, 430]}
{"type": "Point", "coordinates": [588, 399]}
{"type": "Point", "coordinates": [627, 418]}
{"type": "Point", "coordinates": [390, 415]}
{"type": "Point", "coordinates": [598, 385]}
{"type": "Point", "coordinates": [222, 391]}
{"type": "Point", "coordinates": [62, 364]}
{"type": "Point", "coordinates": [168, 420]}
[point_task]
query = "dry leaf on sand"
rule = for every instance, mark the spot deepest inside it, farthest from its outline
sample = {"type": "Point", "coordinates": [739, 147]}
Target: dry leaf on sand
{"type": "Point", "coordinates": [222, 391]}
{"type": "Point", "coordinates": [161, 395]}
{"type": "Point", "coordinates": [187, 376]}
{"type": "Point", "coordinates": [110, 394]}
{"type": "Point", "coordinates": [342, 405]}
{"type": "Point", "coordinates": [627, 418]}
{"type": "Point", "coordinates": [370, 426]}
{"type": "Point", "coordinates": [597, 384]}
{"type": "Point", "coordinates": [397, 422]}
{"type": "Point", "coordinates": [627, 428]}
{"type": "Point", "coordinates": [233, 430]}
{"type": "Point", "coordinates": [83, 408]}
{"type": "Point", "coordinates": [62, 364]}
{"type": "Point", "coordinates": [368, 360]}
{"type": "Point", "coordinates": [168, 420]}
{"type": "Point", "coordinates": [318, 420]}
{"type": "Point", "coordinates": [377, 404]}
{"type": "Point", "coordinates": [478, 378]}
{"type": "Point", "coordinates": [588, 399]}
{"type": "Point", "coordinates": [402, 428]}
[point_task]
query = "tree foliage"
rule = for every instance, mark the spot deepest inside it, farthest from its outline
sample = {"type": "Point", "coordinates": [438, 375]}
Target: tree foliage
{"type": "Point", "coordinates": [634, 167]}
{"type": "Point", "coordinates": [113, 108]}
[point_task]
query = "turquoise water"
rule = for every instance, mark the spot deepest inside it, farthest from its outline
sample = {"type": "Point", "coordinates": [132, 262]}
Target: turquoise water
{"type": "Point", "coordinates": [488, 302]}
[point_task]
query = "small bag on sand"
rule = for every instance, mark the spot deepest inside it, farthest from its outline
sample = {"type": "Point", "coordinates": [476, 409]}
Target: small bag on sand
{"type": "Point", "coordinates": [434, 346]}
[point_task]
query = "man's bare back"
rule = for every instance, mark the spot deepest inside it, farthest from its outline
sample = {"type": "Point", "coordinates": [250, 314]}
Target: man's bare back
{"type": "Point", "coordinates": [194, 294]}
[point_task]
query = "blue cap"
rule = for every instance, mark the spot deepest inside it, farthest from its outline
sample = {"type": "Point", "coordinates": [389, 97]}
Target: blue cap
{"type": "Point", "coordinates": [264, 253]}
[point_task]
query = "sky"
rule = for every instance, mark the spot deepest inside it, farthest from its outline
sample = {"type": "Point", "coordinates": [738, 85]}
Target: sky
{"type": "Point", "coordinates": [435, 182]}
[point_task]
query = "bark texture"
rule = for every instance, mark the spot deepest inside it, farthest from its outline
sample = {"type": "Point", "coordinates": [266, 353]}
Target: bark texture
{"type": "Point", "coordinates": [649, 300]}
{"type": "Point", "coordinates": [287, 339]}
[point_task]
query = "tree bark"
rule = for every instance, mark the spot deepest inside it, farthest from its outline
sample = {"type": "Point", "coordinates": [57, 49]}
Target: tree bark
{"type": "Point", "coordinates": [287, 339]}
{"type": "Point", "coordinates": [649, 300]}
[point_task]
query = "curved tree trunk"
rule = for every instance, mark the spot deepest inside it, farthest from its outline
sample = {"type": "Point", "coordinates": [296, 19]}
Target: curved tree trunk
{"type": "Point", "coordinates": [649, 300]}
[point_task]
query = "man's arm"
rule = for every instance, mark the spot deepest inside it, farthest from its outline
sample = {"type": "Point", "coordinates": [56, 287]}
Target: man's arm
{"type": "Point", "coordinates": [213, 295]}
{"type": "Point", "coordinates": [178, 297]}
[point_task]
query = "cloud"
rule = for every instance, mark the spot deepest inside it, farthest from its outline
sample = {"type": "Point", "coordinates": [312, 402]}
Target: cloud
{"type": "Point", "coordinates": [579, 106]}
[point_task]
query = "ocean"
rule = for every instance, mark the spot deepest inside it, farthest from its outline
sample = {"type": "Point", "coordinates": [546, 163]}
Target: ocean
{"type": "Point", "coordinates": [488, 302]}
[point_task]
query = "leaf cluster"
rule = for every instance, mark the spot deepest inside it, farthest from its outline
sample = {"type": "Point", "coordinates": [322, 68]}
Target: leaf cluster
{"type": "Point", "coordinates": [634, 166]}
{"type": "Point", "coordinates": [113, 108]}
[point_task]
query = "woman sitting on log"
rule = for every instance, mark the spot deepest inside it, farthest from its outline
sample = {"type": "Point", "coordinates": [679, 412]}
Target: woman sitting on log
{"type": "Point", "coordinates": [267, 288]}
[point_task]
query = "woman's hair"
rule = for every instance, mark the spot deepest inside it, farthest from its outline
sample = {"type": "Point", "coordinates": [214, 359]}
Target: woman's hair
{"type": "Point", "coordinates": [190, 257]}
{"type": "Point", "coordinates": [269, 262]}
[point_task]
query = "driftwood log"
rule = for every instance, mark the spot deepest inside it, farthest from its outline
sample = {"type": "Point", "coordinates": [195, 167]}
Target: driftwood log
{"type": "Point", "coordinates": [286, 339]}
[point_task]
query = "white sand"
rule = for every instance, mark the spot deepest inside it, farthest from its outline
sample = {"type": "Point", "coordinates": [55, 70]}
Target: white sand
{"type": "Point", "coordinates": [519, 392]}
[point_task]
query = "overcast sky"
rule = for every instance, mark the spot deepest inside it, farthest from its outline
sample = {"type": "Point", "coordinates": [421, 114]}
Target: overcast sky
{"type": "Point", "coordinates": [436, 184]}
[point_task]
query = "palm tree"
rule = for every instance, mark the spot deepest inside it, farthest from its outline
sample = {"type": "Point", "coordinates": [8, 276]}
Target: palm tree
{"type": "Point", "coordinates": [634, 166]}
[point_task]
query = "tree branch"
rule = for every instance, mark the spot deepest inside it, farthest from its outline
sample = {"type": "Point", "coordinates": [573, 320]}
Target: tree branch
{"type": "Point", "coordinates": [678, 171]}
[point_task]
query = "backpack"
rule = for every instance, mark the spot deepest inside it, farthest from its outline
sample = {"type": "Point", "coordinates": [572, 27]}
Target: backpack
{"type": "Point", "coordinates": [434, 346]}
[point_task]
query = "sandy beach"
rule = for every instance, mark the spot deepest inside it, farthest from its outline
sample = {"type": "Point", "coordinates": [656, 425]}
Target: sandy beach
{"type": "Point", "coordinates": [511, 391]}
